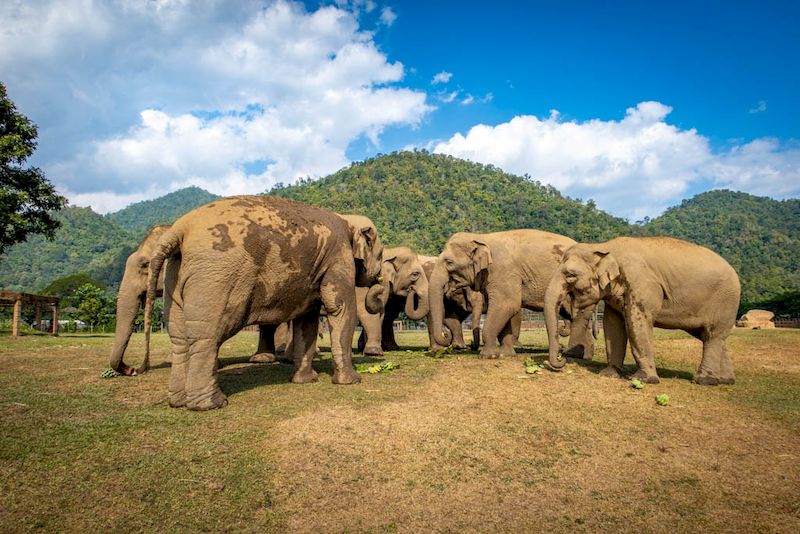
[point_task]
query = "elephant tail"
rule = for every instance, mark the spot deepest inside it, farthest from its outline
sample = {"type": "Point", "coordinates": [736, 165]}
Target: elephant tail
{"type": "Point", "coordinates": [167, 245]}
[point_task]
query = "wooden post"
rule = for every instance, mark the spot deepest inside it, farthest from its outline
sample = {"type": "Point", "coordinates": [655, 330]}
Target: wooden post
{"type": "Point", "coordinates": [55, 320]}
{"type": "Point", "coordinates": [17, 312]}
{"type": "Point", "coordinates": [38, 322]}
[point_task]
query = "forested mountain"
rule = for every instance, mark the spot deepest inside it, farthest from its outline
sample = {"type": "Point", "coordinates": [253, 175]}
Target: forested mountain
{"type": "Point", "coordinates": [759, 236]}
{"type": "Point", "coordinates": [141, 216]}
{"type": "Point", "coordinates": [419, 199]}
{"type": "Point", "coordinates": [85, 243]}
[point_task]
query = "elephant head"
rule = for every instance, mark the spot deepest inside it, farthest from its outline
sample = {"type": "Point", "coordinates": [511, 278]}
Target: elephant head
{"type": "Point", "coordinates": [131, 296]}
{"type": "Point", "coordinates": [463, 263]}
{"type": "Point", "coordinates": [367, 249]}
{"type": "Point", "coordinates": [402, 274]}
{"type": "Point", "coordinates": [585, 275]}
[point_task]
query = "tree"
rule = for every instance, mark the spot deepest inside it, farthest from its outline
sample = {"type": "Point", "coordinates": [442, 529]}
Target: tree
{"type": "Point", "coordinates": [26, 196]}
{"type": "Point", "coordinates": [93, 306]}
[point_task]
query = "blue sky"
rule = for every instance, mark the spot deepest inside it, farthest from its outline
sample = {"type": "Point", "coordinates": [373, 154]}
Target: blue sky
{"type": "Point", "coordinates": [636, 105]}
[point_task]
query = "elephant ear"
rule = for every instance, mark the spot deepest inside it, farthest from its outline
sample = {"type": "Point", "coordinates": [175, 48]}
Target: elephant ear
{"type": "Point", "coordinates": [389, 270]}
{"type": "Point", "coordinates": [481, 256]}
{"type": "Point", "coordinates": [559, 250]}
{"type": "Point", "coordinates": [363, 241]}
{"type": "Point", "coordinates": [606, 268]}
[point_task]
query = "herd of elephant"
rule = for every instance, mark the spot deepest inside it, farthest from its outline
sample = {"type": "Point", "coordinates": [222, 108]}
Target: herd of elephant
{"type": "Point", "coordinates": [268, 261]}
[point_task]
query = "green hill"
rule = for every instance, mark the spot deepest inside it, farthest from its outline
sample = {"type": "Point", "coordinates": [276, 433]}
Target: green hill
{"type": "Point", "coordinates": [141, 216]}
{"type": "Point", "coordinates": [759, 236]}
{"type": "Point", "coordinates": [85, 243]}
{"type": "Point", "coordinates": [419, 199]}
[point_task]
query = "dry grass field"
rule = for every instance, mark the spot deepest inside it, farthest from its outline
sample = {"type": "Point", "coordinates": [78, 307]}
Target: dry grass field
{"type": "Point", "coordinates": [450, 444]}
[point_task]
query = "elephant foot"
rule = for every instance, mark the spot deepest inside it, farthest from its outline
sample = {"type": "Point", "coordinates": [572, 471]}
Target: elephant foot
{"type": "Point", "coordinates": [263, 357]}
{"type": "Point", "coordinates": [305, 377]}
{"type": "Point", "coordinates": [459, 346]}
{"type": "Point", "coordinates": [611, 372]}
{"type": "Point", "coordinates": [474, 346]}
{"type": "Point", "coordinates": [177, 400]}
{"type": "Point", "coordinates": [710, 380]}
{"type": "Point", "coordinates": [346, 376]}
{"type": "Point", "coordinates": [373, 350]}
{"type": "Point", "coordinates": [577, 351]}
{"type": "Point", "coordinates": [435, 348]}
{"type": "Point", "coordinates": [646, 378]}
{"type": "Point", "coordinates": [489, 354]}
{"type": "Point", "coordinates": [209, 402]}
{"type": "Point", "coordinates": [284, 358]}
{"type": "Point", "coordinates": [391, 345]}
{"type": "Point", "coordinates": [508, 351]}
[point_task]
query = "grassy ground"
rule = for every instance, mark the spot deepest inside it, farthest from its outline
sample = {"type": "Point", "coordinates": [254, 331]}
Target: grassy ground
{"type": "Point", "coordinates": [452, 444]}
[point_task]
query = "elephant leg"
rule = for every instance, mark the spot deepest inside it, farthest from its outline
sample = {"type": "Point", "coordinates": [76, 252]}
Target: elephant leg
{"type": "Point", "coordinates": [516, 327]}
{"type": "Point", "coordinates": [639, 325]}
{"type": "Point", "coordinates": [265, 353]}
{"type": "Point", "coordinates": [581, 342]}
{"type": "Point", "coordinates": [715, 367]}
{"type": "Point", "coordinates": [454, 325]}
{"type": "Point", "coordinates": [338, 298]}
{"type": "Point", "coordinates": [390, 314]}
{"type": "Point", "coordinates": [507, 337]}
{"type": "Point", "coordinates": [497, 318]}
{"type": "Point", "coordinates": [432, 345]}
{"type": "Point", "coordinates": [304, 337]}
{"type": "Point", "coordinates": [180, 355]}
{"type": "Point", "coordinates": [616, 342]}
{"type": "Point", "coordinates": [370, 325]}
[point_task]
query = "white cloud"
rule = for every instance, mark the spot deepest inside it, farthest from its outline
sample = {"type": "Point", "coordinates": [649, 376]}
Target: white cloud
{"type": "Point", "coordinates": [442, 77]}
{"type": "Point", "coordinates": [633, 167]}
{"type": "Point", "coordinates": [388, 16]}
{"type": "Point", "coordinates": [134, 99]}
{"type": "Point", "coordinates": [445, 97]}
{"type": "Point", "coordinates": [469, 99]}
{"type": "Point", "coordinates": [760, 108]}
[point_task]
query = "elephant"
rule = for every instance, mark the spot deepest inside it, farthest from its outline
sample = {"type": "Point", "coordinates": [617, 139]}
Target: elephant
{"type": "Point", "coordinates": [512, 270]}
{"type": "Point", "coordinates": [259, 260]}
{"type": "Point", "coordinates": [647, 282]}
{"type": "Point", "coordinates": [132, 292]}
{"type": "Point", "coordinates": [131, 296]}
{"type": "Point", "coordinates": [458, 305]}
{"type": "Point", "coordinates": [403, 280]}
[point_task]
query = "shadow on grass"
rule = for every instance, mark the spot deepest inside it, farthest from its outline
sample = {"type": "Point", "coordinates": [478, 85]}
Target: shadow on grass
{"type": "Point", "coordinates": [595, 366]}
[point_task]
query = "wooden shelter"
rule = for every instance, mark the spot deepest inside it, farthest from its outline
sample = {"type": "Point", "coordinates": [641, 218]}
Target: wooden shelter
{"type": "Point", "coordinates": [18, 300]}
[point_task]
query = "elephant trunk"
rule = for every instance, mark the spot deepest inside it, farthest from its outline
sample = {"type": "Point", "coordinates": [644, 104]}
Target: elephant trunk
{"type": "Point", "coordinates": [128, 301]}
{"type": "Point", "coordinates": [421, 288]}
{"type": "Point", "coordinates": [376, 298]}
{"type": "Point", "coordinates": [438, 286]}
{"type": "Point", "coordinates": [555, 294]}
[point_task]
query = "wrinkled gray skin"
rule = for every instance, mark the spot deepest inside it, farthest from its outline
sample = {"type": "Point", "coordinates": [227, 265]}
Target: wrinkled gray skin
{"type": "Point", "coordinates": [512, 270]}
{"type": "Point", "coordinates": [402, 279]}
{"type": "Point", "coordinates": [259, 260]}
{"type": "Point", "coordinates": [273, 343]}
{"type": "Point", "coordinates": [647, 282]}
{"type": "Point", "coordinates": [131, 296]}
{"type": "Point", "coordinates": [458, 305]}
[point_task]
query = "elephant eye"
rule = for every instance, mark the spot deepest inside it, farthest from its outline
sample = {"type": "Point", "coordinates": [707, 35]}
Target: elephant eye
{"type": "Point", "coordinates": [415, 275]}
{"type": "Point", "coordinates": [448, 264]}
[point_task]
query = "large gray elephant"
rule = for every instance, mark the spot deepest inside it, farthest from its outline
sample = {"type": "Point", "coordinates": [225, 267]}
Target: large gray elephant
{"type": "Point", "coordinates": [259, 260]}
{"type": "Point", "coordinates": [647, 282]}
{"type": "Point", "coordinates": [403, 280]}
{"type": "Point", "coordinates": [512, 269]}
{"type": "Point", "coordinates": [131, 296]}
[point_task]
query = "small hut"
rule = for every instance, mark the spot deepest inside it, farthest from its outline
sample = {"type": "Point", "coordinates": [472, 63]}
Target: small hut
{"type": "Point", "coordinates": [18, 300]}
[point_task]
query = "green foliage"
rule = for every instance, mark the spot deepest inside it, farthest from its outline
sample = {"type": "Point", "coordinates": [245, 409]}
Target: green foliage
{"type": "Point", "coordinates": [637, 384]}
{"type": "Point", "coordinates": [138, 218]}
{"type": "Point", "coordinates": [662, 399]}
{"type": "Point", "coordinates": [26, 196]}
{"type": "Point", "coordinates": [384, 367]}
{"type": "Point", "coordinates": [66, 286]}
{"type": "Point", "coordinates": [759, 237]}
{"type": "Point", "coordinates": [94, 308]}
{"type": "Point", "coordinates": [85, 243]}
{"type": "Point", "coordinates": [419, 200]}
